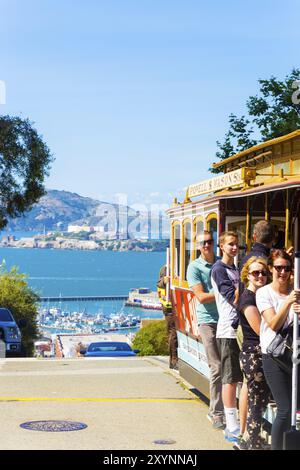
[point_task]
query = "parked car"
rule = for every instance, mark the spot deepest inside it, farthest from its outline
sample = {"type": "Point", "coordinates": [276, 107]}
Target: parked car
{"type": "Point", "coordinates": [10, 332]}
{"type": "Point", "coordinates": [110, 349]}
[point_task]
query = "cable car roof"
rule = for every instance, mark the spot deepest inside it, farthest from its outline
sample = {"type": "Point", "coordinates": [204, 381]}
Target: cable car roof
{"type": "Point", "coordinates": [235, 158]}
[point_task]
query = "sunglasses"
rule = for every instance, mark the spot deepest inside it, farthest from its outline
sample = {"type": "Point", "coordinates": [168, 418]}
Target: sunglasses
{"type": "Point", "coordinates": [286, 269]}
{"type": "Point", "coordinates": [257, 273]}
{"type": "Point", "coordinates": [208, 242]}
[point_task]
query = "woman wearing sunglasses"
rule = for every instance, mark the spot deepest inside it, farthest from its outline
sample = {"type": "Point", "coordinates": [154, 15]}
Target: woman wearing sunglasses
{"type": "Point", "coordinates": [254, 275]}
{"type": "Point", "coordinates": [274, 302]}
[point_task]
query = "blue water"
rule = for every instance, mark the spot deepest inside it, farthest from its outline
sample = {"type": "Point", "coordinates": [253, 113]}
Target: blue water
{"type": "Point", "coordinates": [80, 273]}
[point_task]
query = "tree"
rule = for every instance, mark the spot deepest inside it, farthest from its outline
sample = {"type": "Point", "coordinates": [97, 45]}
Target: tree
{"type": "Point", "coordinates": [22, 301]}
{"type": "Point", "coordinates": [24, 162]}
{"type": "Point", "coordinates": [274, 112]}
{"type": "Point", "coordinates": [152, 339]}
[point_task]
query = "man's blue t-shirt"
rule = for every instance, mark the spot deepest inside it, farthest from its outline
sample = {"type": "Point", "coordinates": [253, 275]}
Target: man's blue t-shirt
{"type": "Point", "coordinates": [199, 272]}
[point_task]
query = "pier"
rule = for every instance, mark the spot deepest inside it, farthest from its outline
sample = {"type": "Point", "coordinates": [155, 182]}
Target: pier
{"type": "Point", "coordinates": [72, 298]}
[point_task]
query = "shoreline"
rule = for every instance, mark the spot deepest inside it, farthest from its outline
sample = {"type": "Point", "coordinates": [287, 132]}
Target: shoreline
{"type": "Point", "coordinates": [73, 244]}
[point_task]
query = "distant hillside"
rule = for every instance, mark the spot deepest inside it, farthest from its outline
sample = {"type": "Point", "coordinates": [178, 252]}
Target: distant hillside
{"type": "Point", "coordinates": [58, 209]}
{"type": "Point", "coordinates": [54, 210]}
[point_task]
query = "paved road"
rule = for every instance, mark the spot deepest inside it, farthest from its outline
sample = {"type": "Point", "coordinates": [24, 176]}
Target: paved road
{"type": "Point", "coordinates": [126, 404]}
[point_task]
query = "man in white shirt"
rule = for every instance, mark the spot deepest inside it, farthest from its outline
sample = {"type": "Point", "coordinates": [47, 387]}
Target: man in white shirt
{"type": "Point", "coordinates": [225, 282]}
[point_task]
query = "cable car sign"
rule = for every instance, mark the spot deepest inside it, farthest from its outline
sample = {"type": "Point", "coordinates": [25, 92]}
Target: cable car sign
{"type": "Point", "coordinates": [223, 181]}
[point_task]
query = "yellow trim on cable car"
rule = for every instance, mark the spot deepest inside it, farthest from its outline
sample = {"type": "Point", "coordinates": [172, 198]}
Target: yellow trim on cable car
{"type": "Point", "coordinates": [268, 143]}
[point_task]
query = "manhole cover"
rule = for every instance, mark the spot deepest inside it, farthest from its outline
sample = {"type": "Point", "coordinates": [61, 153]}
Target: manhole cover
{"type": "Point", "coordinates": [165, 441]}
{"type": "Point", "coordinates": [53, 426]}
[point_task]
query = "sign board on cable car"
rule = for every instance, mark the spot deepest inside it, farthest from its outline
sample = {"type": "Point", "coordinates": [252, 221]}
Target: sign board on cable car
{"type": "Point", "coordinates": [223, 181]}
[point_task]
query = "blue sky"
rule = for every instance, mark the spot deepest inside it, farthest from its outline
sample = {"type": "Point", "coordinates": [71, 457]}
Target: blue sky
{"type": "Point", "coordinates": [131, 95]}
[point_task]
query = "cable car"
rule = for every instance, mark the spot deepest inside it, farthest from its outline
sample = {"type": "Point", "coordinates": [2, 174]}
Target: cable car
{"type": "Point", "coordinates": [262, 182]}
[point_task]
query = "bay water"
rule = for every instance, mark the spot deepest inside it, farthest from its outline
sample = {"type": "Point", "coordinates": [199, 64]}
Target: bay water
{"type": "Point", "coordinates": [83, 272]}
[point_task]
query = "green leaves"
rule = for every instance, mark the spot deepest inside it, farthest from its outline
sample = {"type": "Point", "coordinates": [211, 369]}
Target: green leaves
{"type": "Point", "coordinates": [24, 162]}
{"type": "Point", "coordinates": [152, 339]}
{"type": "Point", "coordinates": [21, 300]}
{"type": "Point", "coordinates": [271, 113]}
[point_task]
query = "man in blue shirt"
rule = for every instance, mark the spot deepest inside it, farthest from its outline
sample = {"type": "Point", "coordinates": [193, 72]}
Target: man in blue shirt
{"type": "Point", "coordinates": [199, 279]}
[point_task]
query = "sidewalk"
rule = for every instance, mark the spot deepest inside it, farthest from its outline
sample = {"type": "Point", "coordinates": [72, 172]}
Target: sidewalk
{"type": "Point", "coordinates": [127, 404]}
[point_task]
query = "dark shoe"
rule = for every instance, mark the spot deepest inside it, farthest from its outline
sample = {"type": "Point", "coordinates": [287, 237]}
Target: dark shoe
{"type": "Point", "coordinates": [174, 367]}
{"type": "Point", "coordinates": [218, 423]}
{"type": "Point", "coordinates": [242, 444]}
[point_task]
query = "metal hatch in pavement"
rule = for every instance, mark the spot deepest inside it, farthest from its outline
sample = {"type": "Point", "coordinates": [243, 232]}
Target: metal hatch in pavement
{"type": "Point", "coordinates": [53, 426]}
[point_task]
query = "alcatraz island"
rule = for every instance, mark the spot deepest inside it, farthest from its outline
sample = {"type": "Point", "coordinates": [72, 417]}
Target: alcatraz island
{"type": "Point", "coordinates": [78, 241]}
{"type": "Point", "coordinates": [67, 221]}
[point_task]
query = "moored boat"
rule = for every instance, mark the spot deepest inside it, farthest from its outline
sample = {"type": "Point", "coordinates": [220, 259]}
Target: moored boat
{"type": "Point", "coordinates": [144, 298]}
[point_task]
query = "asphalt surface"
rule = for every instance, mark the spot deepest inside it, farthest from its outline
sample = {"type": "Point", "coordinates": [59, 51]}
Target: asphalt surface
{"type": "Point", "coordinates": [127, 404]}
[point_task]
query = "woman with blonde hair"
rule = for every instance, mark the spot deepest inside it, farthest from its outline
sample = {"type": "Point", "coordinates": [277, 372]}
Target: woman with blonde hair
{"type": "Point", "coordinates": [277, 303]}
{"type": "Point", "coordinates": [254, 275]}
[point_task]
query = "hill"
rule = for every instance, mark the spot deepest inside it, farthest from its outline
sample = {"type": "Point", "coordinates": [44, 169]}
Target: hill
{"type": "Point", "coordinates": [58, 209]}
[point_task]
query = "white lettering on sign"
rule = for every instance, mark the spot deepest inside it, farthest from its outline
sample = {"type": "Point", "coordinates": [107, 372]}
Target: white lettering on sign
{"type": "Point", "coordinates": [214, 184]}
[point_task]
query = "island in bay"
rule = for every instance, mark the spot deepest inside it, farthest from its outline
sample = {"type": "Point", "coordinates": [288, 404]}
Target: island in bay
{"type": "Point", "coordinates": [65, 220]}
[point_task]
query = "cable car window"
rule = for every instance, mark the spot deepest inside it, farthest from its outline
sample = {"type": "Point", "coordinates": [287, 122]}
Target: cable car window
{"type": "Point", "coordinates": [199, 230]}
{"type": "Point", "coordinates": [187, 246]}
{"type": "Point", "coordinates": [212, 226]}
{"type": "Point", "coordinates": [177, 237]}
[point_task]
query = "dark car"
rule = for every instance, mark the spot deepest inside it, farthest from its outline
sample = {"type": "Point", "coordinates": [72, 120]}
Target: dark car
{"type": "Point", "coordinates": [110, 349]}
{"type": "Point", "coordinates": [9, 332]}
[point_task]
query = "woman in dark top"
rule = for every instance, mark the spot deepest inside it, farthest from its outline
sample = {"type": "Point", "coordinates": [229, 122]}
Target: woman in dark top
{"type": "Point", "coordinates": [254, 275]}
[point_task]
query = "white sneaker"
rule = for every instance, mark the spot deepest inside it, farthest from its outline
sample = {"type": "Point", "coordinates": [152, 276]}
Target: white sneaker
{"type": "Point", "coordinates": [232, 436]}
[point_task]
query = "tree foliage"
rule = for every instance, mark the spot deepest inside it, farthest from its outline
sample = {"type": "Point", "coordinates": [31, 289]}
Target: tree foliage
{"type": "Point", "coordinates": [273, 112]}
{"type": "Point", "coordinates": [22, 301]}
{"type": "Point", "coordinates": [152, 339]}
{"type": "Point", "coordinates": [24, 162]}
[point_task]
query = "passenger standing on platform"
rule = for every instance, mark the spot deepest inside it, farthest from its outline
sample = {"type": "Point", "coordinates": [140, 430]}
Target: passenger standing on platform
{"type": "Point", "coordinates": [263, 236]}
{"type": "Point", "coordinates": [279, 238]}
{"type": "Point", "coordinates": [199, 280]}
{"type": "Point", "coordinates": [254, 275]}
{"type": "Point", "coordinates": [169, 316]}
{"type": "Point", "coordinates": [277, 302]}
{"type": "Point", "coordinates": [225, 282]}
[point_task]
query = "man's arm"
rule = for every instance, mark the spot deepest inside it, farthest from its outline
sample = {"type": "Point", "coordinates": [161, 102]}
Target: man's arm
{"type": "Point", "coordinates": [161, 282]}
{"type": "Point", "coordinates": [194, 278]}
{"type": "Point", "coordinates": [225, 285]}
{"type": "Point", "coordinates": [203, 297]}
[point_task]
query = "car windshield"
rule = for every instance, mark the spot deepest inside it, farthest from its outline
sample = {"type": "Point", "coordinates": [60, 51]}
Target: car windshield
{"type": "Point", "coordinates": [105, 347]}
{"type": "Point", "coordinates": [5, 315]}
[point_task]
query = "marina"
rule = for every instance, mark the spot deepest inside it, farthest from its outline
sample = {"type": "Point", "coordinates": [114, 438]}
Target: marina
{"type": "Point", "coordinates": [56, 320]}
{"type": "Point", "coordinates": [53, 318]}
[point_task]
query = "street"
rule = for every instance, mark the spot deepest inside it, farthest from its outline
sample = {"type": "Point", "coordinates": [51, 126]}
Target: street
{"type": "Point", "coordinates": [126, 404]}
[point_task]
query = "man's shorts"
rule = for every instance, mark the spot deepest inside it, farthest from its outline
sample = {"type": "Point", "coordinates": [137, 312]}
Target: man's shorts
{"type": "Point", "coordinates": [230, 365]}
